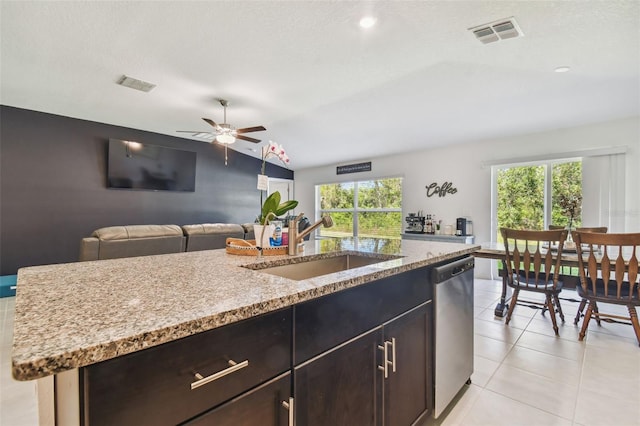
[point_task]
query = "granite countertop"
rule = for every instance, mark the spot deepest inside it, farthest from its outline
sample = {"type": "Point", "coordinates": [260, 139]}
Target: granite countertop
{"type": "Point", "coordinates": [72, 315]}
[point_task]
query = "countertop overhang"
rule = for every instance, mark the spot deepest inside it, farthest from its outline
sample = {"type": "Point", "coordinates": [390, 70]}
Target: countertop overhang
{"type": "Point", "coordinates": [72, 315]}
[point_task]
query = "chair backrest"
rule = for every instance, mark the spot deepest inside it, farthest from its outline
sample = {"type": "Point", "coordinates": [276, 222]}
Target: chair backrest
{"type": "Point", "coordinates": [598, 229]}
{"type": "Point", "coordinates": [608, 264]}
{"type": "Point", "coordinates": [555, 227]}
{"type": "Point", "coordinates": [529, 255]}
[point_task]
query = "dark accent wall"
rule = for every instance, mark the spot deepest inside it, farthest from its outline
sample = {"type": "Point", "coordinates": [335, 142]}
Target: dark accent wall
{"type": "Point", "coordinates": [53, 186]}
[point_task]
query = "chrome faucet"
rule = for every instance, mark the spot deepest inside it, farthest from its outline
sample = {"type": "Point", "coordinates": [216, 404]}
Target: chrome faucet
{"type": "Point", "coordinates": [293, 235]}
{"type": "Point", "coordinates": [295, 238]}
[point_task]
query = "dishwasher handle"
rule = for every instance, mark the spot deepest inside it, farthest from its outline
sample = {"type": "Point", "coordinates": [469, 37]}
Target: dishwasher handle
{"type": "Point", "coordinates": [450, 270]}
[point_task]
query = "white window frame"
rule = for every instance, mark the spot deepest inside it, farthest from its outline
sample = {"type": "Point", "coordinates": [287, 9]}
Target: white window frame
{"type": "Point", "coordinates": [356, 208]}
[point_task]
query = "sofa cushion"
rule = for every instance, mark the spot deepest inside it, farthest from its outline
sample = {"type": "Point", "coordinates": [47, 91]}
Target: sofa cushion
{"type": "Point", "coordinates": [136, 231]}
{"type": "Point", "coordinates": [132, 240]}
{"type": "Point", "coordinates": [209, 236]}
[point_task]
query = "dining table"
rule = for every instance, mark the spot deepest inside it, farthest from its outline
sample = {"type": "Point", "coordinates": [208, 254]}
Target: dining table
{"type": "Point", "coordinates": [496, 251]}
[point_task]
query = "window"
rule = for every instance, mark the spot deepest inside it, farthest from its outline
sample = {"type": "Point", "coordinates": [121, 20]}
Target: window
{"type": "Point", "coordinates": [371, 208]}
{"type": "Point", "coordinates": [534, 196]}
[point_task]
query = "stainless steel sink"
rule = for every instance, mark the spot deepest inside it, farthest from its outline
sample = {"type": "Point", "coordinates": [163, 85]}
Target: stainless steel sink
{"type": "Point", "coordinates": [314, 267]}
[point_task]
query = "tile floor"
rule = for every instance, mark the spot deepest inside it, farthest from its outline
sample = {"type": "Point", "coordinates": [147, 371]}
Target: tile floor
{"type": "Point", "coordinates": [524, 375]}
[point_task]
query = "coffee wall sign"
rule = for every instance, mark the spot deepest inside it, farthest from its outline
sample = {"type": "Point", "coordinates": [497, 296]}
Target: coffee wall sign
{"type": "Point", "coordinates": [440, 190]}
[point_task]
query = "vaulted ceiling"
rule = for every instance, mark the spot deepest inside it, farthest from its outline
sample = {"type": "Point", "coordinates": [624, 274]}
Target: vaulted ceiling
{"type": "Point", "coordinates": [328, 90]}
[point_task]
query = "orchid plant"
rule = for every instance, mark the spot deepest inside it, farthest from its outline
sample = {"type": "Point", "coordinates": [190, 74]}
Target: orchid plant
{"type": "Point", "coordinates": [272, 207]}
{"type": "Point", "coordinates": [273, 150]}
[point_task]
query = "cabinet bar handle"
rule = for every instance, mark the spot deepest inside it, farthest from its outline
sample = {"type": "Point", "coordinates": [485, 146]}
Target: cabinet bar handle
{"type": "Point", "coordinates": [289, 407]}
{"type": "Point", "coordinates": [385, 362]}
{"type": "Point", "coordinates": [393, 354]}
{"type": "Point", "coordinates": [215, 376]}
{"type": "Point", "coordinates": [384, 367]}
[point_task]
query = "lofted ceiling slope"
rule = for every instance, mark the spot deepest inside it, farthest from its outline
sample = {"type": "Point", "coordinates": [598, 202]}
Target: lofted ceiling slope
{"type": "Point", "coordinates": [328, 90]}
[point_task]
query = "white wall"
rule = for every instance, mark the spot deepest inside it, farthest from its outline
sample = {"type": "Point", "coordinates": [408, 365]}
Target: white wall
{"type": "Point", "coordinates": [464, 166]}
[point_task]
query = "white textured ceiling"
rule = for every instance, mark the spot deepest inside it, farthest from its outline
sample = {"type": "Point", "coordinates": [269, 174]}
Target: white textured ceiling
{"type": "Point", "coordinates": [325, 89]}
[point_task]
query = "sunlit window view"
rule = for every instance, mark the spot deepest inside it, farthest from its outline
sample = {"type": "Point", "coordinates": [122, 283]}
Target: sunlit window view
{"type": "Point", "coordinates": [522, 202]}
{"type": "Point", "coordinates": [371, 208]}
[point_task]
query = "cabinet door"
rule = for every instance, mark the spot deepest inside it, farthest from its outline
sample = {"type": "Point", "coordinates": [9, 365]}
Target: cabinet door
{"type": "Point", "coordinates": [262, 406]}
{"type": "Point", "coordinates": [341, 387]}
{"type": "Point", "coordinates": [407, 390]}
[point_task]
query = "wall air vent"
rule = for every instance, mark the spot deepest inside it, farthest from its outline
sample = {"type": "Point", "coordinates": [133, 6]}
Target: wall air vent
{"type": "Point", "coordinates": [134, 83]}
{"type": "Point", "coordinates": [497, 30]}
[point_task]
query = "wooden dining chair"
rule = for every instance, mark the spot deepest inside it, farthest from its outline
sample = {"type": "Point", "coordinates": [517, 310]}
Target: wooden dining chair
{"type": "Point", "coordinates": [610, 277]}
{"type": "Point", "coordinates": [556, 227]}
{"type": "Point", "coordinates": [583, 302]}
{"type": "Point", "coordinates": [597, 229]}
{"type": "Point", "coordinates": [532, 264]}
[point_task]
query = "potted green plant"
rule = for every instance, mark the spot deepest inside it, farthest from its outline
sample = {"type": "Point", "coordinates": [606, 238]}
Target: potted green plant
{"type": "Point", "coordinates": [271, 209]}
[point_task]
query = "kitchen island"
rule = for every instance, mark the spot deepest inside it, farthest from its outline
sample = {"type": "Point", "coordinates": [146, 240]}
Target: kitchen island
{"type": "Point", "coordinates": [72, 319]}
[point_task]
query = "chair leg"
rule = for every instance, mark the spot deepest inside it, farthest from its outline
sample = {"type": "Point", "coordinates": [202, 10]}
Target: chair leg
{"type": "Point", "coordinates": [596, 312]}
{"type": "Point", "coordinates": [583, 303]}
{"type": "Point", "coordinates": [512, 305]}
{"type": "Point", "coordinates": [552, 311]}
{"type": "Point", "coordinates": [557, 302]}
{"type": "Point", "coordinates": [585, 321]}
{"type": "Point", "coordinates": [633, 314]}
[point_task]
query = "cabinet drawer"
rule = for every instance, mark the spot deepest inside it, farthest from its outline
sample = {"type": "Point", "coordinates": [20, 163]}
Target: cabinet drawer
{"type": "Point", "coordinates": [262, 406]}
{"type": "Point", "coordinates": [154, 386]}
{"type": "Point", "coordinates": [333, 319]}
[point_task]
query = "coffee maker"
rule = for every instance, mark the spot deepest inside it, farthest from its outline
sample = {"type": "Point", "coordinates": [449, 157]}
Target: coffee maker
{"type": "Point", "coordinates": [415, 224]}
{"type": "Point", "coordinates": [461, 226]}
{"type": "Point", "coordinates": [464, 226]}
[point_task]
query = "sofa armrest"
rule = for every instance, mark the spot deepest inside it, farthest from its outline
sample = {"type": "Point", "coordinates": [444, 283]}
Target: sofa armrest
{"type": "Point", "coordinates": [89, 249]}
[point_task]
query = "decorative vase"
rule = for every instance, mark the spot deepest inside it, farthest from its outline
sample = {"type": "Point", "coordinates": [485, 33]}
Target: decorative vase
{"type": "Point", "coordinates": [268, 232]}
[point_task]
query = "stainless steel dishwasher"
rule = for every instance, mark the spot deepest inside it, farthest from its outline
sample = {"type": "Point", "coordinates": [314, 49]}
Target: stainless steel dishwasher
{"type": "Point", "coordinates": [453, 330]}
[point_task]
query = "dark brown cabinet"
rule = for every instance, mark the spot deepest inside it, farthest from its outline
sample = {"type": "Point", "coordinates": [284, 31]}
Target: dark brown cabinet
{"type": "Point", "coordinates": [381, 376]}
{"type": "Point", "coordinates": [174, 382]}
{"type": "Point", "coordinates": [407, 389]}
{"type": "Point", "coordinates": [342, 386]}
{"type": "Point", "coordinates": [267, 405]}
{"type": "Point", "coordinates": [361, 356]}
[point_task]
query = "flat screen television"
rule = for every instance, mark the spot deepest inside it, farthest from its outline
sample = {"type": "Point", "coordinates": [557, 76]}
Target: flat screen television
{"type": "Point", "coordinates": [133, 165]}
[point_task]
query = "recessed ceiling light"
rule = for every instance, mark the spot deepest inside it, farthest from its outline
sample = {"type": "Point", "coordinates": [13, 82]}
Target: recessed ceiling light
{"type": "Point", "coordinates": [367, 22]}
{"type": "Point", "coordinates": [562, 69]}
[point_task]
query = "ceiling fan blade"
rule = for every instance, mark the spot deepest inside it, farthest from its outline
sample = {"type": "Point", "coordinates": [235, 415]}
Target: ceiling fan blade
{"type": "Point", "coordinates": [192, 131]}
{"type": "Point", "coordinates": [213, 123]}
{"type": "Point", "coordinates": [251, 129]}
{"type": "Point", "coordinates": [247, 138]}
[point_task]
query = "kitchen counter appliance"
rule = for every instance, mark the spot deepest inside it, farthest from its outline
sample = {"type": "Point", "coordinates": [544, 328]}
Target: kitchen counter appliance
{"type": "Point", "coordinates": [453, 330]}
{"type": "Point", "coordinates": [415, 224]}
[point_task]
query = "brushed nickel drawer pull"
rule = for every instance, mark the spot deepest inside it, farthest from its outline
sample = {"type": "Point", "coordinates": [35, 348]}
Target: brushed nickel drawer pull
{"type": "Point", "coordinates": [393, 354]}
{"type": "Point", "coordinates": [289, 407]}
{"type": "Point", "coordinates": [215, 376]}
{"type": "Point", "coordinates": [385, 362]}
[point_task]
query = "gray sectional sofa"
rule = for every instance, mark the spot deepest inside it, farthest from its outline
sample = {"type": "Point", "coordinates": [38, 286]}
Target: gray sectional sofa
{"type": "Point", "coordinates": [142, 240]}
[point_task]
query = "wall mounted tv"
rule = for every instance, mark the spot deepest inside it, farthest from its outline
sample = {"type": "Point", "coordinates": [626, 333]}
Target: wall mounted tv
{"type": "Point", "coordinates": [133, 165]}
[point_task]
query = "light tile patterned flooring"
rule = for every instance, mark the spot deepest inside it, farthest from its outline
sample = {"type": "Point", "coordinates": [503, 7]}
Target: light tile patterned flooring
{"type": "Point", "coordinates": [524, 375]}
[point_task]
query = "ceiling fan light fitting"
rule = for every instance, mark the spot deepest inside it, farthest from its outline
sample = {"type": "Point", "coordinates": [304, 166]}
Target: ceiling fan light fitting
{"type": "Point", "coordinates": [226, 138]}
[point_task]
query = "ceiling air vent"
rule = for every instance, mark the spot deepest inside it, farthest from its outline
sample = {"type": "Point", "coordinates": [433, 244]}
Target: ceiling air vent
{"type": "Point", "coordinates": [134, 83]}
{"type": "Point", "coordinates": [497, 30]}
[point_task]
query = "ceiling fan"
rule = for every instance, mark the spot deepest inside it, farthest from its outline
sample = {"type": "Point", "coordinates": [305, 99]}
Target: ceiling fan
{"type": "Point", "coordinates": [225, 133]}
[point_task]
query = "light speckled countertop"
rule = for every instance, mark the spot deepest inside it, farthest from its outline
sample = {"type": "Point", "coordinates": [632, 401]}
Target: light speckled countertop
{"type": "Point", "coordinates": [75, 314]}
